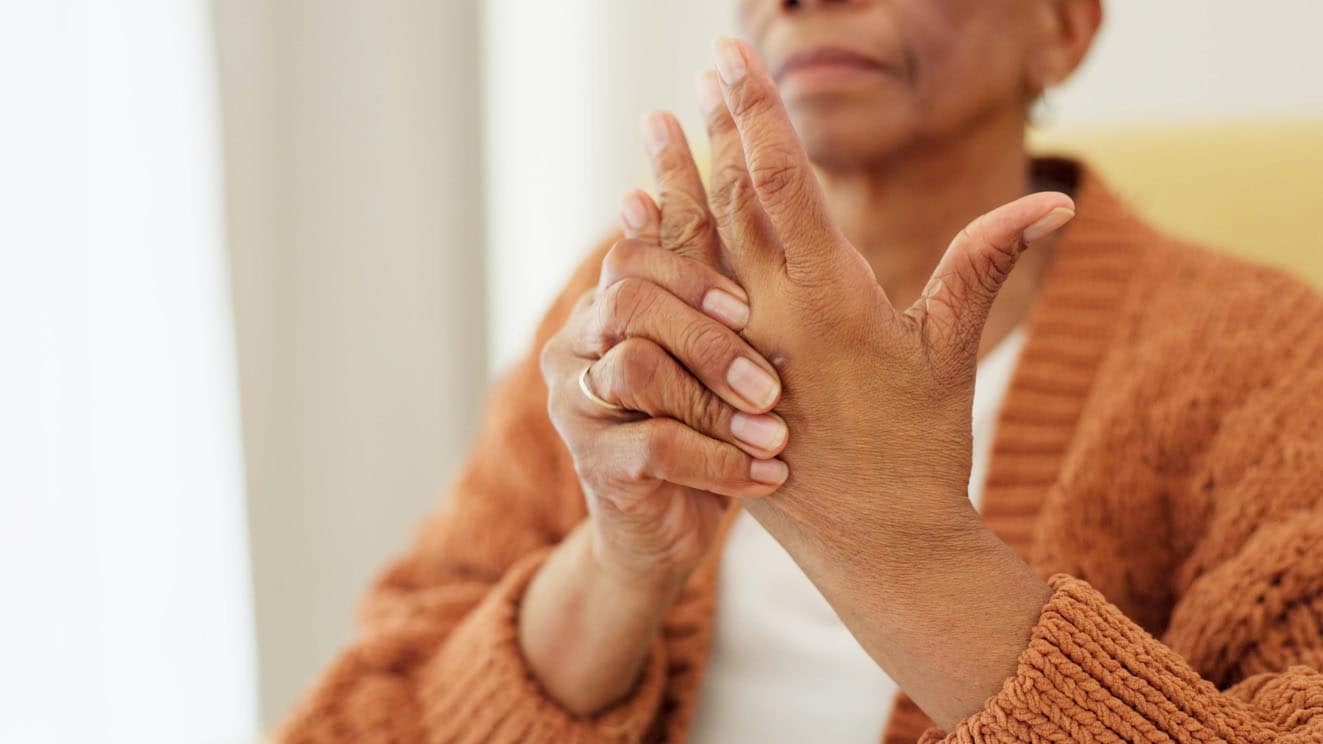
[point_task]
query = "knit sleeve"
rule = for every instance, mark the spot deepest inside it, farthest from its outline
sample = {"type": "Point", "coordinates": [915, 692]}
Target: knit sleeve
{"type": "Point", "coordinates": [1241, 656]}
{"type": "Point", "coordinates": [437, 658]}
{"type": "Point", "coordinates": [1090, 674]}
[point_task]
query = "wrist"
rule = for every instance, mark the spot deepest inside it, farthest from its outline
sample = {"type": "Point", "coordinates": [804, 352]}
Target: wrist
{"type": "Point", "coordinates": [915, 543]}
{"type": "Point", "coordinates": [885, 534]}
{"type": "Point", "coordinates": [584, 634]}
{"type": "Point", "coordinates": [937, 528]}
{"type": "Point", "coordinates": [636, 584]}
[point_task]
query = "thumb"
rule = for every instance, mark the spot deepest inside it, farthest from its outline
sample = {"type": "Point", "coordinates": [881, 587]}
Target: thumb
{"type": "Point", "coordinates": [954, 305]}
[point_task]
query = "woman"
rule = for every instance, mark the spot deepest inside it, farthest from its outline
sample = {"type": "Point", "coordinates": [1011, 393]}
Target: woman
{"type": "Point", "coordinates": [790, 346]}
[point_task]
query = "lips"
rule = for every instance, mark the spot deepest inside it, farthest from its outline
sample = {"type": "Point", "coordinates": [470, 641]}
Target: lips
{"type": "Point", "coordinates": [824, 57]}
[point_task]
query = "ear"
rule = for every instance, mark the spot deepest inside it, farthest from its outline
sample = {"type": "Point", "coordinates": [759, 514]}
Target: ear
{"type": "Point", "coordinates": [1068, 30]}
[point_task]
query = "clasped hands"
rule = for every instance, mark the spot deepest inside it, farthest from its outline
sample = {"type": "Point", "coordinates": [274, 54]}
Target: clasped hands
{"type": "Point", "coordinates": [745, 350]}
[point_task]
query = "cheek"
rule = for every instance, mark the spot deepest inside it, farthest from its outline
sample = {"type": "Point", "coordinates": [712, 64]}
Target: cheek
{"type": "Point", "coordinates": [967, 61]}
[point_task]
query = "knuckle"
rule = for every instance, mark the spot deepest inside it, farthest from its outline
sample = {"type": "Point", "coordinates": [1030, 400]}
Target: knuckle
{"type": "Point", "coordinates": [719, 123]}
{"type": "Point", "coordinates": [776, 174]}
{"type": "Point", "coordinates": [659, 446]}
{"type": "Point", "coordinates": [637, 367]}
{"type": "Point", "coordinates": [624, 301]}
{"type": "Point", "coordinates": [996, 254]}
{"type": "Point", "coordinates": [728, 463]}
{"type": "Point", "coordinates": [978, 270]}
{"type": "Point", "coordinates": [622, 259]}
{"type": "Point", "coordinates": [562, 419]}
{"type": "Point", "coordinates": [686, 221]}
{"type": "Point", "coordinates": [708, 344]}
{"type": "Point", "coordinates": [750, 101]}
{"type": "Point", "coordinates": [708, 412]}
{"type": "Point", "coordinates": [732, 192]}
{"type": "Point", "coordinates": [995, 246]}
{"type": "Point", "coordinates": [583, 327]}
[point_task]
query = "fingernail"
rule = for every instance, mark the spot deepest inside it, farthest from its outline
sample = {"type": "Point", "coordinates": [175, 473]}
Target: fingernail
{"type": "Point", "coordinates": [655, 132]}
{"type": "Point", "coordinates": [730, 60]}
{"type": "Point", "coordinates": [726, 307]}
{"type": "Point", "coordinates": [1048, 224]}
{"type": "Point", "coordinates": [709, 92]}
{"type": "Point", "coordinates": [770, 472]}
{"type": "Point", "coordinates": [752, 383]}
{"type": "Point", "coordinates": [633, 212]}
{"type": "Point", "coordinates": [763, 432]}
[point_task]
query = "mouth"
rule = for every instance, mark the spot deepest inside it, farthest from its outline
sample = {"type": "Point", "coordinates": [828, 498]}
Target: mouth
{"type": "Point", "coordinates": [827, 65]}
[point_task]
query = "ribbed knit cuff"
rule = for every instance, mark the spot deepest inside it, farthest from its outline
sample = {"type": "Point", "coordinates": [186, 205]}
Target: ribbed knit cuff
{"type": "Point", "coordinates": [480, 688]}
{"type": "Point", "coordinates": [1091, 673]}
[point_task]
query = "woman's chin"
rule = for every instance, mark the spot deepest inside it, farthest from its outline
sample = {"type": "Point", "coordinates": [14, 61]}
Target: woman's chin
{"type": "Point", "coordinates": [850, 137]}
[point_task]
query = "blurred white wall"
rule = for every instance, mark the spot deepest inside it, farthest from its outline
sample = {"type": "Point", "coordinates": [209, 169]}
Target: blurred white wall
{"type": "Point", "coordinates": [566, 87]}
{"type": "Point", "coordinates": [353, 154]}
{"type": "Point", "coordinates": [123, 553]}
{"type": "Point", "coordinates": [1197, 60]}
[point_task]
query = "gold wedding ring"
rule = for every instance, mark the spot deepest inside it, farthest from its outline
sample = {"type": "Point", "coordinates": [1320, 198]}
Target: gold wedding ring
{"type": "Point", "coordinates": [588, 393]}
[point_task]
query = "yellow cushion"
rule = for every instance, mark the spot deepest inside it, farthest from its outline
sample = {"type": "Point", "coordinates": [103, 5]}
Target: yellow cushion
{"type": "Point", "coordinates": [1253, 188]}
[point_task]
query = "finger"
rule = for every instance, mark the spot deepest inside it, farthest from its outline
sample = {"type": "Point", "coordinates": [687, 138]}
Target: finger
{"type": "Point", "coordinates": [955, 304]}
{"type": "Point", "coordinates": [720, 359]}
{"type": "Point", "coordinates": [686, 226]}
{"type": "Point", "coordinates": [778, 167]}
{"type": "Point", "coordinates": [588, 402]}
{"type": "Point", "coordinates": [557, 359]}
{"type": "Point", "coordinates": [745, 235]}
{"type": "Point", "coordinates": [567, 405]}
{"type": "Point", "coordinates": [640, 217]}
{"type": "Point", "coordinates": [639, 375]}
{"type": "Point", "coordinates": [700, 285]}
{"type": "Point", "coordinates": [666, 450]}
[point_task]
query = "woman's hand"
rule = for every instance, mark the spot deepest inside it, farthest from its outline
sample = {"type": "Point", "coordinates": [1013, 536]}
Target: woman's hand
{"type": "Point", "coordinates": [878, 399]}
{"type": "Point", "coordinates": [680, 419]}
{"type": "Point", "coordinates": [666, 433]}
{"type": "Point", "coordinates": [663, 407]}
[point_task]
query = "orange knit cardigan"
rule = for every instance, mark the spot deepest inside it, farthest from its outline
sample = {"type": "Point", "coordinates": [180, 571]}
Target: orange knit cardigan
{"type": "Point", "coordinates": [1162, 440]}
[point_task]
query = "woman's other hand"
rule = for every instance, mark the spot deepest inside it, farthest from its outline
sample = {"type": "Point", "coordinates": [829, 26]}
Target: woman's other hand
{"type": "Point", "coordinates": [675, 412]}
{"type": "Point", "coordinates": [664, 408]}
{"type": "Point", "coordinates": [879, 402]}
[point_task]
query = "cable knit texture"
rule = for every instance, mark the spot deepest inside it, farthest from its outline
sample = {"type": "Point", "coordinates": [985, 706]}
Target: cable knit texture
{"type": "Point", "coordinates": [1159, 455]}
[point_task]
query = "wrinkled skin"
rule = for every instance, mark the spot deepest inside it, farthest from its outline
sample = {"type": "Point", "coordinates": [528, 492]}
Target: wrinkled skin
{"type": "Point", "coordinates": [863, 422]}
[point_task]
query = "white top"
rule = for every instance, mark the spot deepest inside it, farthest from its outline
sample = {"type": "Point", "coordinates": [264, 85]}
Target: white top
{"type": "Point", "coordinates": [783, 666]}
